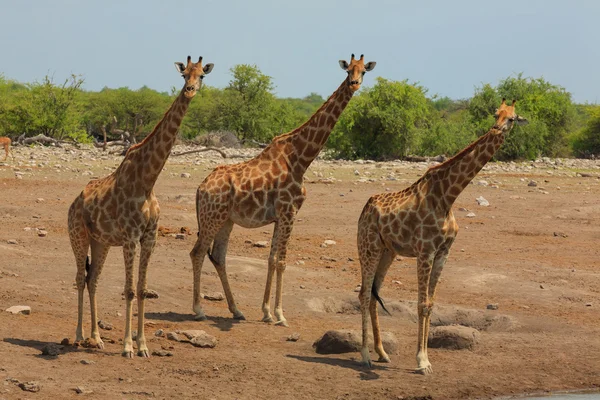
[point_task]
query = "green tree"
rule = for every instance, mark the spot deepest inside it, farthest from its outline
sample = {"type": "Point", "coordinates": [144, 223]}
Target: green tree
{"type": "Point", "coordinates": [587, 141]}
{"type": "Point", "coordinates": [382, 122]}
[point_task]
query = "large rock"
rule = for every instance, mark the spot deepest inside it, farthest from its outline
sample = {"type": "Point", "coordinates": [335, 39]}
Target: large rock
{"type": "Point", "coordinates": [455, 337]}
{"type": "Point", "coordinates": [205, 340]}
{"type": "Point", "coordinates": [26, 310]}
{"type": "Point", "coordinates": [348, 341]}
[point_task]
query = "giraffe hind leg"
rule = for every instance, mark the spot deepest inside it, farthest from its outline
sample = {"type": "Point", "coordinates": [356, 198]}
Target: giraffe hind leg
{"type": "Point", "coordinates": [384, 264]}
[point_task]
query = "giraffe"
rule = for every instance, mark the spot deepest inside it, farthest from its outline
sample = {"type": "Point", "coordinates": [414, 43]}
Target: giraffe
{"type": "Point", "coordinates": [418, 222]}
{"type": "Point", "coordinates": [121, 210]}
{"type": "Point", "coordinates": [5, 141]}
{"type": "Point", "coordinates": [266, 189]}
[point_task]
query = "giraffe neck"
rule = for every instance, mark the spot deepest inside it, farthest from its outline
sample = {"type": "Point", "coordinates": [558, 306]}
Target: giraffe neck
{"type": "Point", "coordinates": [450, 178]}
{"type": "Point", "coordinates": [308, 140]}
{"type": "Point", "coordinates": [150, 155]}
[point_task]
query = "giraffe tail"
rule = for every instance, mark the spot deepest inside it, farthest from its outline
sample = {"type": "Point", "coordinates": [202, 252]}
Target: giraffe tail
{"type": "Point", "coordinates": [210, 257]}
{"type": "Point", "coordinates": [87, 264]}
{"type": "Point", "coordinates": [379, 299]}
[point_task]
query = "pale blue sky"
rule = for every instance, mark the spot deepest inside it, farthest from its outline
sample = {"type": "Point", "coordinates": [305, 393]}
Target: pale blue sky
{"type": "Point", "coordinates": [450, 47]}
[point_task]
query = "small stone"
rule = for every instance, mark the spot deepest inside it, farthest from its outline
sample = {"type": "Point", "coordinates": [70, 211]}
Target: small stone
{"type": "Point", "coordinates": [482, 201]}
{"type": "Point", "coordinates": [463, 209]}
{"type": "Point", "coordinates": [174, 336]}
{"type": "Point", "coordinates": [482, 183]}
{"type": "Point", "coordinates": [356, 172]}
{"type": "Point", "coordinates": [180, 236]}
{"type": "Point", "coordinates": [560, 234]}
{"type": "Point", "coordinates": [107, 326]}
{"type": "Point", "coordinates": [214, 296]}
{"type": "Point", "coordinates": [357, 288]}
{"type": "Point", "coordinates": [39, 200]}
{"type": "Point", "coordinates": [11, 241]}
{"type": "Point", "coordinates": [51, 349]}
{"type": "Point", "coordinates": [542, 287]}
{"type": "Point", "coordinates": [492, 306]}
{"type": "Point", "coordinates": [82, 390]}
{"type": "Point", "coordinates": [261, 244]}
{"type": "Point", "coordinates": [162, 353]}
{"type": "Point", "coordinates": [294, 337]}
{"type": "Point", "coordinates": [248, 241]}
{"type": "Point", "coordinates": [532, 183]}
{"type": "Point", "coordinates": [25, 310]}
{"type": "Point", "coordinates": [31, 386]}
{"type": "Point", "coordinates": [65, 342]}
{"type": "Point", "coordinates": [588, 304]}
{"type": "Point", "coordinates": [87, 362]}
{"type": "Point", "coordinates": [204, 341]}
{"type": "Point", "coordinates": [159, 333]}
{"type": "Point", "coordinates": [185, 175]}
{"type": "Point", "coordinates": [216, 369]}
{"type": "Point", "coordinates": [471, 215]}
{"type": "Point", "coordinates": [326, 258]}
{"type": "Point", "coordinates": [151, 294]}
{"type": "Point", "coordinates": [302, 287]}
{"type": "Point", "coordinates": [397, 283]}
{"type": "Point", "coordinates": [42, 233]}
{"type": "Point", "coordinates": [350, 259]}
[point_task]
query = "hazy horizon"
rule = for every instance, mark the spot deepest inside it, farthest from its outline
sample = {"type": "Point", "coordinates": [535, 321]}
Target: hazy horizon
{"type": "Point", "coordinates": [450, 48]}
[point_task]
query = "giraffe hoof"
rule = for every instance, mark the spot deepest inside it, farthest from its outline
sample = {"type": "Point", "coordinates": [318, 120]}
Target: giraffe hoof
{"type": "Point", "coordinates": [127, 353]}
{"type": "Point", "coordinates": [239, 317]}
{"type": "Point", "coordinates": [283, 322]}
{"type": "Point", "coordinates": [143, 353]}
{"type": "Point", "coordinates": [267, 319]}
{"type": "Point", "coordinates": [384, 359]}
{"type": "Point", "coordinates": [367, 364]}
{"type": "Point", "coordinates": [424, 370]}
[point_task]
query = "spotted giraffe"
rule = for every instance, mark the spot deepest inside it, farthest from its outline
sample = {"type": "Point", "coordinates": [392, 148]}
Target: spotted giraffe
{"type": "Point", "coordinates": [121, 210]}
{"type": "Point", "coordinates": [418, 222]}
{"type": "Point", "coordinates": [267, 189]}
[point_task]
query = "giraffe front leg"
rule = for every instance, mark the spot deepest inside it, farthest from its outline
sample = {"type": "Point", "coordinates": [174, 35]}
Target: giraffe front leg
{"type": "Point", "coordinates": [424, 265]}
{"type": "Point", "coordinates": [147, 247]}
{"type": "Point", "coordinates": [266, 306]}
{"type": "Point", "coordinates": [282, 238]}
{"type": "Point", "coordinates": [129, 256]}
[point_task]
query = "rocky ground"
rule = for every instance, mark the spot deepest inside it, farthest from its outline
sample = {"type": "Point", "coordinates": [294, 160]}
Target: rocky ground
{"type": "Point", "coordinates": [522, 282]}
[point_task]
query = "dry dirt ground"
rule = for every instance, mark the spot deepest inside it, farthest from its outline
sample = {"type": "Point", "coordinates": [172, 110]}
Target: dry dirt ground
{"type": "Point", "coordinates": [534, 251]}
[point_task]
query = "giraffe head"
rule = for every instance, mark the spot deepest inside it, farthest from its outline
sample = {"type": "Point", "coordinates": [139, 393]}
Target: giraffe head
{"type": "Point", "coordinates": [193, 73]}
{"type": "Point", "coordinates": [506, 117]}
{"type": "Point", "coordinates": [356, 69]}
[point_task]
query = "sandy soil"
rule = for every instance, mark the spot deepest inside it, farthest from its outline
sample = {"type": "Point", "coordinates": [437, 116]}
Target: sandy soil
{"type": "Point", "coordinates": [534, 251]}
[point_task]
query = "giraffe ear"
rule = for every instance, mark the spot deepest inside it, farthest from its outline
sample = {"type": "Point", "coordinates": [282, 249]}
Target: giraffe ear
{"type": "Point", "coordinates": [180, 67]}
{"type": "Point", "coordinates": [344, 64]}
{"type": "Point", "coordinates": [207, 68]}
{"type": "Point", "coordinates": [370, 65]}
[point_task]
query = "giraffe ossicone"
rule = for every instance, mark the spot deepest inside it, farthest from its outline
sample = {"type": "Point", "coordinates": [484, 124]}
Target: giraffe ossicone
{"type": "Point", "coordinates": [122, 210]}
{"type": "Point", "coordinates": [418, 222]}
{"type": "Point", "coordinates": [266, 189]}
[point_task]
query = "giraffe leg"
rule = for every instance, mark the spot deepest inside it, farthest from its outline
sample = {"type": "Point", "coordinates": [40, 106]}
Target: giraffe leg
{"type": "Point", "coordinates": [129, 250]}
{"type": "Point", "coordinates": [283, 238]}
{"type": "Point", "coordinates": [99, 253]}
{"type": "Point", "coordinates": [197, 255]}
{"type": "Point", "coordinates": [266, 306]}
{"type": "Point", "coordinates": [80, 243]}
{"type": "Point", "coordinates": [370, 254]}
{"type": "Point", "coordinates": [424, 266]}
{"type": "Point", "coordinates": [384, 265]}
{"type": "Point", "coordinates": [147, 244]}
{"type": "Point", "coordinates": [219, 253]}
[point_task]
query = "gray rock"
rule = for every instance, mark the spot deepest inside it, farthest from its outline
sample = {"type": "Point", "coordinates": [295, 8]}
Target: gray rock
{"type": "Point", "coordinates": [185, 175]}
{"type": "Point", "coordinates": [294, 337]}
{"type": "Point", "coordinates": [162, 353]}
{"type": "Point", "coordinates": [87, 362]}
{"type": "Point", "coordinates": [471, 215]}
{"type": "Point", "coordinates": [347, 341]}
{"type": "Point", "coordinates": [532, 183]}
{"type": "Point", "coordinates": [31, 386]}
{"type": "Point", "coordinates": [180, 236]}
{"type": "Point", "coordinates": [82, 390]}
{"type": "Point", "coordinates": [456, 337]}
{"type": "Point", "coordinates": [42, 233]}
{"type": "Point", "coordinates": [25, 310]}
{"type": "Point", "coordinates": [11, 241]}
{"type": "Point", "coordinates": [214, 296]}
{"type": "Point", "coordinates": [492, 306]}
{"type": "Point", "coordinates": [174, 336]}
{"type": "Point", "coordinates": [204, 341]}
{"type": "Point", "coordinates": [107, 326]}
{"type": "Point", "coordinates": [482, 201]}
{"type": "Point", "coordinates": [51, 349]}
{"type": "Point", "coordinates": [328, 242]}
{"type": "Point", "coordinates": [159, 333]}
{"type": "Point", "coordinates": [190, 334]}
{"type": "Point", "coordinates": [481, 183]}
{"type": "Point", "coordinates": [261, 244]}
